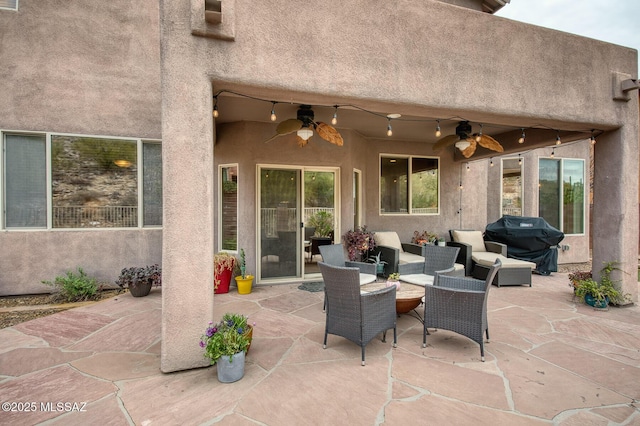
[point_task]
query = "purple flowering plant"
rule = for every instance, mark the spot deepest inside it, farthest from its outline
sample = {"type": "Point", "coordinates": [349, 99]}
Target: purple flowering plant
{"type": "Point", "coordinates": [227, 337]}
{"type": "Point", "coordinates": [358, 242]}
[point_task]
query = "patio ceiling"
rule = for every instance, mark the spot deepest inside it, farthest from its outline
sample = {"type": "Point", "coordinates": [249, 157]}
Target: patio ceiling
{"type": "Point", "coordinates": [235, 107]}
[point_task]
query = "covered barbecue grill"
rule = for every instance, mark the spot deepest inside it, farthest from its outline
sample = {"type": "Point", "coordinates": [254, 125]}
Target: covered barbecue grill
{"type": "Point", "coordinates": [528, 238]}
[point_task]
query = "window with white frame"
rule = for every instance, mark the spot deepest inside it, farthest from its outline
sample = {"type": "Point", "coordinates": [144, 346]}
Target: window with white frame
{"type": "Point", "coordinates": [562, 193]}
{"type": "Point", "coordinates": [409, 185]}
{"type": "Point", "coordinates": [9, 4]}
{"type": "Point", "coordinates": [229, 207]}
{"type": "Point", "coordinates": [94, 182]}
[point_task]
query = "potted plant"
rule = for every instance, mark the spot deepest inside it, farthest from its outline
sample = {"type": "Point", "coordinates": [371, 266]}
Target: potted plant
{"type": "Point", "coordinates": [441, 242]}
{"type": "Point", "coordinates": [600, 294]}
{"type": "Point", "coordinates": [576, 277]}
{"type": "Point", "coordinates": [394, 279]}
{"type": "Point", "coordinates": [243, 281]}
{"type": "Point", "coordinates": [378, 262]}
{"type": "Point", "coordinates": [358, 242]}
{"type": "Point", "coordinates": [226, 343]}
{"type": "Point", "coordinates": [139, 280]}
{"type": "Point", "coordinates": [425, 237]}
{"type": "Point", "coordinates": [223, 267]}
{"type": "Point", "coordinates": [323, 222]}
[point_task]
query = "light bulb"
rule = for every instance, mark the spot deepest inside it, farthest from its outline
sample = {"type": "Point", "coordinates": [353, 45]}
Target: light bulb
{"type": "Point", "coordinates": [558, 141]}
{"type": "Point", "coordinates": [553, 153]}
{"type": "Point", "coordinates": [593, 138]}
{"type": "Point", "coordinates": [334, 120]}
{"type": "Point", "coordinates": [521, 140]}
{"type": "Point", "coordinates": [215, 111]}
{"type": "Point", "coordinates": [519, 160]}
{"type": "Point", "coordinates": [389, 131]}
{"type": "Point", "coordinates": [479, 135]}
{"type": "Point", "coordinates": [438, 132]}
{"type": "Point", "coordinates": [491, 162]}
{"type": "Point", "coordinates": [468, 167]}
{"type": "Point", "coordinates": [273, 112]}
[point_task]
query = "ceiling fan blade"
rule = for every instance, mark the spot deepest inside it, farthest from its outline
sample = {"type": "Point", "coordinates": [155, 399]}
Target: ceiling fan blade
{"type": "Point", "coordinates": [287, 126]}
{"type": "Point", "coordinates": [471, 149]}
{"type": "Point", "coordinates": [329, 133]}
{"type": "Point", "coordinates": [301, 142]}
{"type": "Point", "coordinates": [445, 142]}
{"type": "Point", "coordinates": [490, 143]}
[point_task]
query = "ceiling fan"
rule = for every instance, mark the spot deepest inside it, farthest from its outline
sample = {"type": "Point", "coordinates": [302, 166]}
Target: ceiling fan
{"type": "Point", "coordinates": [304, 126]}
{"type": "Point", "coordinates": [467, 142]}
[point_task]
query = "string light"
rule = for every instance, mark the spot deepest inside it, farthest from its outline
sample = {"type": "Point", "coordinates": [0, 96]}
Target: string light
{"type": "Point", "coordinates": [468, 167]}
{"type": "Point", "coordinates": [438, 130]}
{"type": "Point", "coordinates": [460, 184]}
{"type": "Point", "coordinates": [519, 160]}
{"type": "Point", "coordinates": [491, 162]}
{"type": "Point", "coordinates": [215, 108]}
{"type": "Point", "coordinates": [593, 138]}
{"type": "Point", "coordinates": [553, 152]}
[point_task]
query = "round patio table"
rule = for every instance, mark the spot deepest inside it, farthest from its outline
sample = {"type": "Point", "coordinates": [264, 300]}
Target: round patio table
{"type": "Point", "coordinates": [408, 296]}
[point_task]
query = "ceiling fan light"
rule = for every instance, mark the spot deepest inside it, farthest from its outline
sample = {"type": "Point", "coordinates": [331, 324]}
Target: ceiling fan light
{"type": "Point", "coordinates": [305, 133]}
{"type": "Point", "coordinates": [463, 144]}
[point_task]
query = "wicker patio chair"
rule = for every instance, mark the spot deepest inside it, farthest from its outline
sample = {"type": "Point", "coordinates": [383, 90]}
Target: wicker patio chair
{"type": "Point", "coordinates": [436, 258]}
{"type": "Point", "coordinates": [354, 316]}
{"type": "Point", "coordinates": [459, 304]}
{"type": "Point", "coordinates": [333, 254]}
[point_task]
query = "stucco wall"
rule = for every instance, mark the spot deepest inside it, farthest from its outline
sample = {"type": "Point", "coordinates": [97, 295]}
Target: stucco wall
{"type": "Point", "coordinates": [82, 67]}
{"type": "Point", "coordinates": [27, 258]}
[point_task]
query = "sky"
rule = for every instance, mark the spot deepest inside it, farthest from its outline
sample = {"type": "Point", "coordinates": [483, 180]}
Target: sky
{"type": "Point", "coordinates": [614, 21]}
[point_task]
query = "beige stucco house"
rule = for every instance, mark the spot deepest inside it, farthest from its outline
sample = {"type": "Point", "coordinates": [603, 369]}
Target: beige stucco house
{"type": "Point", "coordinates": [123, 82]}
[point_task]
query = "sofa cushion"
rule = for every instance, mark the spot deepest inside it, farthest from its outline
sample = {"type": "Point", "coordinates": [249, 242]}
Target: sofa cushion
{"type": "Point", "coordinates": [389, 239]}
{"type": "Point", "coordinates": [406, 257]}
{"type": "Point", "coordinates": [473, 238]}
{"type": "Point", "coordinates": [488, 258]}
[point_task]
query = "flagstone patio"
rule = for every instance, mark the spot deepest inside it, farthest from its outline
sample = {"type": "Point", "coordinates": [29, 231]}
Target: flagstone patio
{"type": "Point", "coordinates": [551, 360]}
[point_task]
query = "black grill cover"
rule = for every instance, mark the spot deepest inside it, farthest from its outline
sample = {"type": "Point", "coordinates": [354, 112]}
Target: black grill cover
{"type": "Point", "coordinates": [528, 238]}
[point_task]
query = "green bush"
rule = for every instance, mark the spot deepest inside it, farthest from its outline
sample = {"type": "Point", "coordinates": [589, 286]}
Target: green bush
{"type": "Point", "coordinates": [75, 288]}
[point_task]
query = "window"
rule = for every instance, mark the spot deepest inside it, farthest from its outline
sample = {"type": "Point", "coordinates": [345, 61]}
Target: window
{"type": "Point", "coordinates": [512, 186]}
{"type": "Point", "coordinates": [9, 4]}
{"type": "Point", "coordinates": [93, 182]}
{"type": "Point", "coordinates": [152, 184]}
{"type": "Point", "coordinates": [25, 197]}
{"type": "Point", "coordinates": [561, 194]}
{"type": "Point", "coordinates": [229, 207]}
{"type": "Point", "coordinates": [409, 178]}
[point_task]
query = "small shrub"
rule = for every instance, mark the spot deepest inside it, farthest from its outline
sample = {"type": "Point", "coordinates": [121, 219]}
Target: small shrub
{"type": "Point", "coordinates": [75, 288]}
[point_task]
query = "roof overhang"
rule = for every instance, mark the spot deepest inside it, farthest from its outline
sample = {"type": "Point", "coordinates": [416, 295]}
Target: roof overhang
{"type": "Point", "coordinates": [492, 6]}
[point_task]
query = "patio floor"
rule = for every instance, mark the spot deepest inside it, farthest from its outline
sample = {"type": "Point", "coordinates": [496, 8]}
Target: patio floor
{"type": "Point", "coordinates": [551, 360]}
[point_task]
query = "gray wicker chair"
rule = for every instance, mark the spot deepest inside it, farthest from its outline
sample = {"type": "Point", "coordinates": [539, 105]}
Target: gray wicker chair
{"type": "Point", "coordinates": [354, 316]}
{"type": "Point", "coordinates": [436, 258]}
{"type": "Point", "coordinates": [459, 304]}
{"type": "Point", "coordinates": [333, 254]}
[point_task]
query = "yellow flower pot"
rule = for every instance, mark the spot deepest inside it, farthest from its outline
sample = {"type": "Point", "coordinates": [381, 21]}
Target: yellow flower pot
{"type": "Point", "coordinates": [244, 284]}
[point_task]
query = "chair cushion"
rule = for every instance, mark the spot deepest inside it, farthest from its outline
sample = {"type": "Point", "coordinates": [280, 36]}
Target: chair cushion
{"type": "Point", "coordinates": [473, 238]}
{"type": "Point", "coordinates": [406, 257]}
{"type": "Point", "coordinates": [389, 239]}
{"type": "Point", "coordinates": [417, 279]}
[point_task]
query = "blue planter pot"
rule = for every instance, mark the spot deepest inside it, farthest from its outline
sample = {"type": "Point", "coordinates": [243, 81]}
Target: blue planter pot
{"type": "Point", "coordinates": [230, 368]}
{"type": "Point", "coordinates": [600, 304]}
